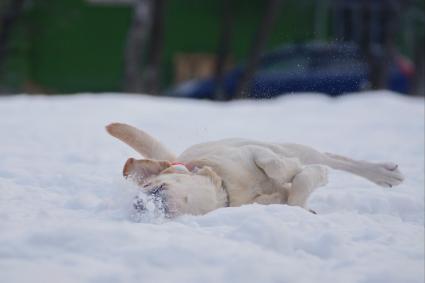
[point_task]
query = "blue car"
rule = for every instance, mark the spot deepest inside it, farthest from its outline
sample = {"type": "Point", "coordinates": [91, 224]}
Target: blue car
{"type": "Point", "coordinates": [333, 69]}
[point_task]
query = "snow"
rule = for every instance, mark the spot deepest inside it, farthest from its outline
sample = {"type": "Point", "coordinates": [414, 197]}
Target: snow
{"type": "Point", "coordinates": [65, 210]}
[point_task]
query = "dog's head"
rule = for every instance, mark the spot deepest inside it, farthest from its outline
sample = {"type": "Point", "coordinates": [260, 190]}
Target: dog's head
{"type": "Point", "coordinates": [175, 190]}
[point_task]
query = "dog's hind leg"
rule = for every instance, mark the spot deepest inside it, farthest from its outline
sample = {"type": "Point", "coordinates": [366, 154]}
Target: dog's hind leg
{"type": "Point", "coordinates": [280, 169]}
{"type": "Point", "coordinates": [385, 174]}
{"type": "Point", "coordinates": [305, 182]}
{"type": "Point", "coordinates": [140, 141]}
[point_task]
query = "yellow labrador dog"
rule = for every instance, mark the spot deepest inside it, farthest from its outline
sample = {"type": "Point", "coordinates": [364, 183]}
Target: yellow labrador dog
{"type": "Point", "coordinates": [234, 172]}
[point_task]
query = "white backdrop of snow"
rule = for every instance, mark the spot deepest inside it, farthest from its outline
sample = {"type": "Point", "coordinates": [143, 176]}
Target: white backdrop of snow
{"type": "Point", "coordinates": [65, 208]}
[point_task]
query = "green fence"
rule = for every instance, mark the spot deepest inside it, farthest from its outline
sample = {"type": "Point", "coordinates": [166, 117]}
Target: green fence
{"type": "Point", "coordinates": [66, 46]}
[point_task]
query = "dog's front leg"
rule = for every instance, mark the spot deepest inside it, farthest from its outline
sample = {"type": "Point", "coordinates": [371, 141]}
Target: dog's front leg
{"type": "Point", "coordinates": [140, 141]}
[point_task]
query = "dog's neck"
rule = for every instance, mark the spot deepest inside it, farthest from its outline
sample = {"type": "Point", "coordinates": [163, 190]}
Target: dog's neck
{"type": "Point", "coordinates": [223, 197]}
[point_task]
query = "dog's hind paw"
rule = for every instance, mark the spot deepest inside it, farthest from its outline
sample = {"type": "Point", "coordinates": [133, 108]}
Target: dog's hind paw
{"type": "Point", "coordinates": [387, 175]}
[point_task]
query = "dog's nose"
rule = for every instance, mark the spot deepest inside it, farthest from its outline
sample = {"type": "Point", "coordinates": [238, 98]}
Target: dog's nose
{"type": "Point", "coordinates": [152, 201]}
{"type": "Point", "coordinates": [139, 204]}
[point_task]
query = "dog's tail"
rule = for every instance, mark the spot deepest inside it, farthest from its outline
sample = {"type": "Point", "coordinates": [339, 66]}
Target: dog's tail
{"type": "Point", "coordinates": [140, 141]}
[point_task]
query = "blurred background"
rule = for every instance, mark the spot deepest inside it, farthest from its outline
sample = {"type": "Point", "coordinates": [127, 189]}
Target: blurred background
{"type": "Point", "coordinates": [211, 49]}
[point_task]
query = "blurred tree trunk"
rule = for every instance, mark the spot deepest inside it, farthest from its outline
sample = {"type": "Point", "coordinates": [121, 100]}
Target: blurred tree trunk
{"type": "Point", "coordinates": [366, 43]}
{"type": "Point", "coordinates": [257, 47]}
{"type": "Point", "coordinates": [390, 10]}
{"type": "Point", "coordinates": [321, 19]}
{"type": "Point", "coordinates": [152, 70]}
{"type": "Point", "coordinates": [379, 50]}
{"type": "Point", "coordinates": [419, 59]}
{"type": "Point", "coordinates": [136, 41]}
{"type": "Point", "coordinates": [8, 17]}
{"type": "Point", "coordinates": [223, 49]}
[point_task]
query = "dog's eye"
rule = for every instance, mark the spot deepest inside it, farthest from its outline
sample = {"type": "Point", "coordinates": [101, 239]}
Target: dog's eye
{"type": "Point", "coordinates": [147, 185]}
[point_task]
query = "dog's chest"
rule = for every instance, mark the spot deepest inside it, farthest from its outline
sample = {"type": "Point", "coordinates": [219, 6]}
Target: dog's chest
{"type": "Point", "coordinates": [242, 179]}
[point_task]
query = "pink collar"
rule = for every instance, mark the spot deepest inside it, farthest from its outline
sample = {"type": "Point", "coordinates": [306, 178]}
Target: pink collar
{"type": "Point", "coordinates": [177, 163]}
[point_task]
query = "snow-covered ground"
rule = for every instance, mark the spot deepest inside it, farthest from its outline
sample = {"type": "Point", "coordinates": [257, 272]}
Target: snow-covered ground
{"type": "Point", "coordinates": [65, 209]}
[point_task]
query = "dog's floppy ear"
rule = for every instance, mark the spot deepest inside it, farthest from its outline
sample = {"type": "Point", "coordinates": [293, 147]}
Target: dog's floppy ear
{"type": "Point", "coordinates": [144, 168]}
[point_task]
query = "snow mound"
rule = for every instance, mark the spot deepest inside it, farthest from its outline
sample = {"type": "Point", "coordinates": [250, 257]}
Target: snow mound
{"type": "Point", "coordinates": [66, 213]}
